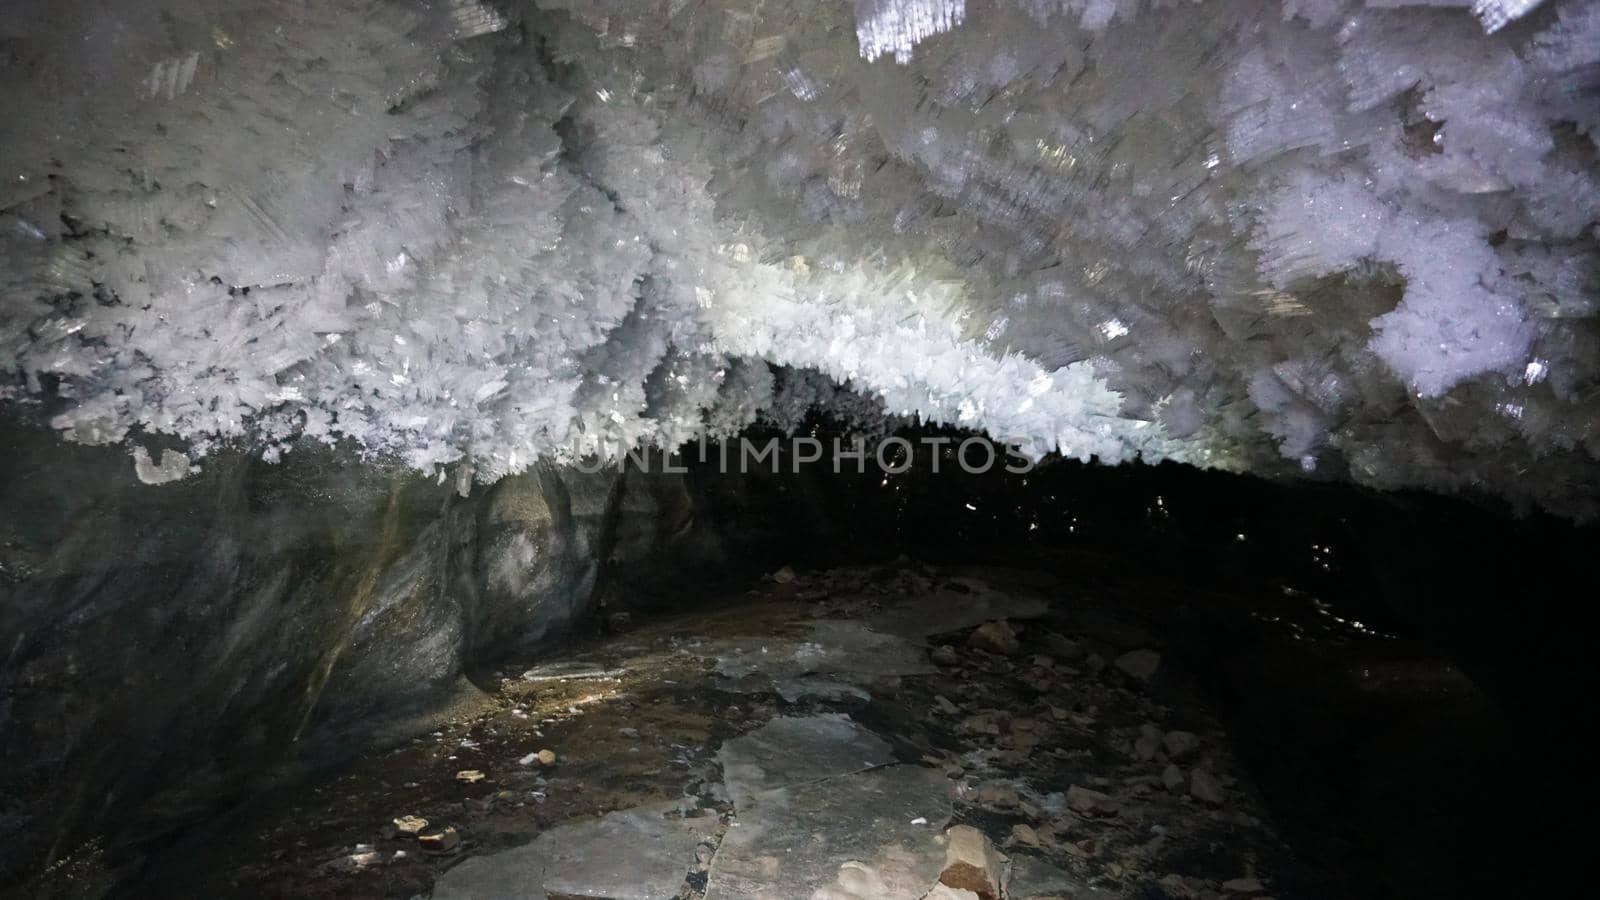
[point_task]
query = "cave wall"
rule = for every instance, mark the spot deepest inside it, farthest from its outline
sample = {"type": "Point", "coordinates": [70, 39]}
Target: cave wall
{"type": "Point", "coordinates": [167, 648]}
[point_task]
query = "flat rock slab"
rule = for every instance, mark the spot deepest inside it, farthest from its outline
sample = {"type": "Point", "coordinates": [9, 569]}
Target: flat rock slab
{"type": "Point", "coordinates": [797, 750]}
{"type": "Point", "coordinates": [945, 611]}
{"type": "Point", "coordinates": [635, 854]}
{"type": "Point", "coordinates": [791, 843]}
{"type": "Point", "coordinates": [1034, 879]}
{"type": "Point", "coordinates": [842, 650]}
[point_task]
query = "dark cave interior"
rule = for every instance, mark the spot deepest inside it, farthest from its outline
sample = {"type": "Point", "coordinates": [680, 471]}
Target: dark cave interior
{"type": "Point", "coordinates": [196, 666]}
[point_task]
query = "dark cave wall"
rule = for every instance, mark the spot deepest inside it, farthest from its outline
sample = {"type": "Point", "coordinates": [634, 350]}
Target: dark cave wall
{"type": "Point", "coordinates": [169, 647]}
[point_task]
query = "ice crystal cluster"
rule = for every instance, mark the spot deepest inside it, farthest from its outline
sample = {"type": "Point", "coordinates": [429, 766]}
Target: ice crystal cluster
{"type": "Point", "coordinates": [1351, 238]}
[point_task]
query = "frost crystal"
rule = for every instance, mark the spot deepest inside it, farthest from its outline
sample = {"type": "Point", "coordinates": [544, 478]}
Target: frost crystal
{"type": "Point", "coordinates": [1316, 235]}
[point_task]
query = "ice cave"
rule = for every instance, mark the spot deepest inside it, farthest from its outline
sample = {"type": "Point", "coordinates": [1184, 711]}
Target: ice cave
{"type": "Point", "coordinates": [797, 449]}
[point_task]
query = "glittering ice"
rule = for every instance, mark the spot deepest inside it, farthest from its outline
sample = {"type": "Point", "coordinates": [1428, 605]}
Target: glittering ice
{"type": "Point", "coordinates": [1351, 239]}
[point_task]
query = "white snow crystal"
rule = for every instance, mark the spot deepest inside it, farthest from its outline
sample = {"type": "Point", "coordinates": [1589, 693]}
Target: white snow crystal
{"type": "Point", "coordinates": [476, 235]}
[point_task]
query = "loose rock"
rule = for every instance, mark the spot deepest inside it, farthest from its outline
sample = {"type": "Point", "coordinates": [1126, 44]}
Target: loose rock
{"type": "Point", "coordinates": [995, 637]}
{"type": "Point", "coordinates": [973, 864]}
{"type": "Point", "coordinates": [1139, 664]}
{"type": "Point", "coordinates": [1205, 787]}
{"type": "Point", "coordinates": [1024, 834]}
{"type": "Point", "coordinates": [1172, 777]}
{"type": "Point", "coordinates": [999, 796]}
{"type": "Point", "coordinates": [1180, 744]}
{"type": "Point", "coordinates": [442, 842]}
{"type": "Point", "coordinates": [1088, 802]}
{"type": "Point", "coordinates": [1148, 742]}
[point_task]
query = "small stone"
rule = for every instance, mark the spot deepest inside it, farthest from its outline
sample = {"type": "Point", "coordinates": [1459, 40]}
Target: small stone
{"type": "Point", "coordinates": [1180, 744]}
{"type": "Point", "coordinates": [1205, 787]}
{"type": "Point", "coordinates": [1179, 886]}
{"type": "Point", "coordinates": [546, 757]}
{"type": "Point", "coordinates": [702, 857]}
{"type": "Point", "coordinates": [1242, 886]}
{"type": "Point", "coordinates": [785, 575]}
{"type": "Point", "coordinates": [410, 824]}
{"type": "Point", "coordinates": [361, 859]}
{"type": "Point", "coordinates": [945, 655]}
{"type": "Point", "coordinates": [995, 637]}
{"type": "Point", "coordinates": [1140, 664]}
{"type": "Point", "coordinates": [1024, 834]}
{"type": "Point", "coordinates": [470, 776]}
{"type": "Point", "coordinates": [946, 892]}
{"type": "Point", "coordinates": [1084, 849]}
{"type": "Point", "coordinates": [440, 843]}
{"type": "Point", "coordinates": [972, 863]}
{"type": "Point", "coordinates": [999, 795]}
{"type": "Point", "coordinates": [1064, 648]}
{"type": "Point", "coordinates": [1172, 777]}
{"type": "Point", "coordinates": [1088, 802]}
{"type": "Point", "coordinates": [981, 724]}
{"type": "Point", "coordinates": [1149, 741]}
{"type": "Point", "coordinates": [945, 706]}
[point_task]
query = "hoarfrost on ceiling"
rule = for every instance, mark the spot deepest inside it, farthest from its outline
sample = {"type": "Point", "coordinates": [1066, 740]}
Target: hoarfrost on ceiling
{"type": "Point", "coordinates": [1308, 235]}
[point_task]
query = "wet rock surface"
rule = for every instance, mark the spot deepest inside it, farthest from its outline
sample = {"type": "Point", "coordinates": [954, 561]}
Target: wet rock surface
{"type": "Point", "coordinates": [678, 773]}
{"type": "Point", "coordinates": [170, 650]}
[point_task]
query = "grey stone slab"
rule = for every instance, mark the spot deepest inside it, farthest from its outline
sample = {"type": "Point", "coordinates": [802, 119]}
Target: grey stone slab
{"type": "Point", "coordinates": [842, 650]}
{"type": "Point", "coordinates": [792, 843]}
{"type": "Point", "coordinates": [944, 611]}
{"type": "Point", "coordinates": [634, 854]}
{"type": "Point", "coordinates": [795, 750]}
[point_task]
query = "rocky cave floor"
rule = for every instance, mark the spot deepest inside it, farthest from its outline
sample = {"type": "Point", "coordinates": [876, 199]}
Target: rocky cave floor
{"type": "Point", "coordinates": [892, 731]}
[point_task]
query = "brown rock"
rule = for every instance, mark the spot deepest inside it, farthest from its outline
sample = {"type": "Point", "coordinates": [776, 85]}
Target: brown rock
{"type": "Point", "coordinates": [995, 637]}
{"type": "Point", "coordinates": [1024, 834]}
{"type": "Point", "coordinates": [441, 842]}
{"type": "Point", "coordinates": [999, 795]}
{"type": "Point", "coordinates": [972, 863]}
{"type": "Point", "coordinates": [1088, 802]}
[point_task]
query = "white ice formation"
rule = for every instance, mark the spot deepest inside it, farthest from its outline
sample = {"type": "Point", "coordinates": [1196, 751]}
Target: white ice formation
{"type": "Point", "coordinates": [1324, 235]}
